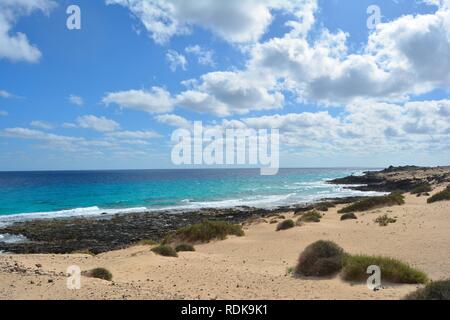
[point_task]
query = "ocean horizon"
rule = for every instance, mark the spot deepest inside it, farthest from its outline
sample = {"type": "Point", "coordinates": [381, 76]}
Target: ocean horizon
{"type": "Point", "coordinates": [67, 193]}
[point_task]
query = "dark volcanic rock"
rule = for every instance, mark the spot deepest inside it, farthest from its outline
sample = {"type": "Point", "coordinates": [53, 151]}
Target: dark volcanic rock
{"type": "Point", "coordinates": [108, 233]}
{"type": "Point", "coordinates": [385, 180]}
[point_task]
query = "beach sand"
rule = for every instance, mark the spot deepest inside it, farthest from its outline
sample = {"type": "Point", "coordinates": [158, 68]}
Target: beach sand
{"type": "Point", "coordinates": [251, 267]}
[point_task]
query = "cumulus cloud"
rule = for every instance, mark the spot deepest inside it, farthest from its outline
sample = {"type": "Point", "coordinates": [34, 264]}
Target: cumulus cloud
{"type": "Point", "coordinates": [66, 143]}
{"type": "Point", "coordinates": [156, 100]}
{"type": "Point", "coordinates": [100, 124]}
{"type": "Point", "coordinates": [16, 46]}
{"type": "Point", "coordinates": [76, 100]}
{"type": "Point", "coordinates": [225, 93]}
{"type": "Point", "coordinates": [234, 21]}
{"type": "Point", "coordinates": [204, 56]}
{"type": "Point", "coordinates": [176, 60]}
{"type": "Point", "coordinates": [41, 124]}
{"type": "Point", "coordinates": [407, 56]}
{"type": "Point", "coordinates": [173, 120]}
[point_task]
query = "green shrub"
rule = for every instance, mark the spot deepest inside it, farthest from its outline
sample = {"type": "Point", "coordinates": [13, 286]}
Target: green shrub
{"type": "Point", "coordinates": [392, 270]}
{"type": "Point", "coordinates": [441, 196]}
{"type": "Point", "coordinates": [423, 188]}
{"type": "Point", "coordinates": [439, 290]}
{"type": "Point", "coordinates": [395, 198]}
{"type": "Point", "coordinates": [348, 216]}
{"type": "Point", "coordinates": [99, 273]}
{"type": "Point", "coordinates": [146, 242]}
{"type": "Point", "coordinates": [205, 232]}
{"type": "Point", "coordinates": [286, 224]}
{"type": "Point", "coordinates": [165, 250]}
{"type": "Point", "coordinates": [324, 206]}
{"type": "Point", "coordinates": [384, 220]}
{"type": "Point", "coordinates": [312, 216]}
{"type": "Point", "coordinates": [322, 258]}
{"type": "Point", "coordinates": [184, 247]}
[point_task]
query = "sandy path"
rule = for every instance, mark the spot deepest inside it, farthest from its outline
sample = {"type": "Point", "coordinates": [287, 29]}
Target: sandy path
{"type": "Point", "coordinates": [250, 267]}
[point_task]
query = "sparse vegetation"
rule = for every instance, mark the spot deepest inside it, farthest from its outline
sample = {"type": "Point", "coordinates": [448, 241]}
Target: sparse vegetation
{"type": "Point", "coordinates": [312, 216]}
{"type": "Point", "coordinates": [286, 224]}
{"type": "Point", "coordinates": [392, 270]}
{"type": "Point", "coordinates": [322, 258]}
{"type": "Point", "coordinates": [165, 250]}
{"type": "Point", "coordinates": [438, 290]}
{"type": "Point", "coordinates": [395, 198]}
{"type": "Point", "coordinates": [146, 242]}
{"type": "Point", "coordinates": [348, 216]}
{"type": "Point", "coordinates": [441, 196]}
{"type": "Point", "coordinates": [184, 247]}
{"type": "Point", "coordinates": [99, 273]}
{"type": "Point", "coordinates": [324, 206]}
{"type": "Point", "coordinates": [385, 220]}
{"type": "Point", "coordinates": [423, 188]}
{"type": "Point", "coordinates": [205, 232]}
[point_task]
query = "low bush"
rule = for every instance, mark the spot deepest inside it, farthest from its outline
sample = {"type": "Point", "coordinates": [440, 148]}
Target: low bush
{"type": "Point", "coordinates": [165, 250]}
{"type": "Point", "coordinates": [392, 270]}
{"type": "Point", "coordinates": [395, 198]}
{"type": "Point", "coordinates": [438, 290]}
{"type": "Point", "coordinates": [99, 273]}
{"type": "Point", "coordinates": [348, 216]}
{"type": "Point", "coordinates": [441, 196]}
{"type": "Point", "coordinates": [286, 224]}
{"type": "Point", "coordinates": [312, 216]}
{"type": "Point", "coordinates": [205, 232]}
{"type": "Point", "coordinates": [322, 258]}
{"type": "Point", "coordinates": [385, 220]}
{"type": "Point", "coordinates": [146, 242]}
{"type": "Point", "coordinates": [324, 206]}
{"type": "Point", "coordinates": [184, 247]}
{"type": "Point", "coordinates": [423, 188]}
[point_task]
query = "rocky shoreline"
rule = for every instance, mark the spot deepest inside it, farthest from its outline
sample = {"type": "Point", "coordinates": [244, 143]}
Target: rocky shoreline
{"type": "Point", "coordinates": [107, 233]}
{"type": "Point", "coordinates": [403, 179]}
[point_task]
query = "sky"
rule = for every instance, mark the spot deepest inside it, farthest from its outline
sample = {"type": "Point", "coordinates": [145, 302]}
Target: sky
{"type": "Point", "coordinates": [344, 88]}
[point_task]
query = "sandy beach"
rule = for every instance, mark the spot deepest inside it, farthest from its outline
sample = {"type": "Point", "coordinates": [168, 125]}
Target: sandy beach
{"type": "Point", "coordinates": [255, 266]}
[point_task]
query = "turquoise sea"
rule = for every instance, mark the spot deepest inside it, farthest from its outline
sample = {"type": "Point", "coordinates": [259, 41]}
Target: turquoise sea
{"type": "Point", "coordinates": [25, 195]}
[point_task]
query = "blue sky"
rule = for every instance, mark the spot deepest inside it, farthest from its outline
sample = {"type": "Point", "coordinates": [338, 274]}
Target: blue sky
{"type": "Point", "coordinates": [109, 96]}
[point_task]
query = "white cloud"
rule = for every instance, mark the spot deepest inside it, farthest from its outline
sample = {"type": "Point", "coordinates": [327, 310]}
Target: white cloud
{"type": "Point", "coordinates": [204, 56]}
{"type": "Point", "coordinates": [5, 94]}
{"type": "Point", "coordinates": [157, 100]}
{"type": "Point", "coordinates": [176, 60]}
{"type": "Point", "coordinates": [69, 125]}
{"type": "Point", "coordinates": [41, 124]}
{"type": "Point", "coordinates": [407, 56]}
{"type": "Point", "coordinates": [173, 120]}
{"type": "Point", "coordinates": [16, 46]}
{"type": "Point", "coordinates": [56, 141]}
{"type": "Point", "coordinates": [235, 21]}
{"type": "Point", "coordinates": [100, 124]}
{"type": "Point", "coordinates": [226, 93]}
{"type": "Point", "coordinates": [134, 134]}
{"type": "Point", "coordinates": [76, 100]}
